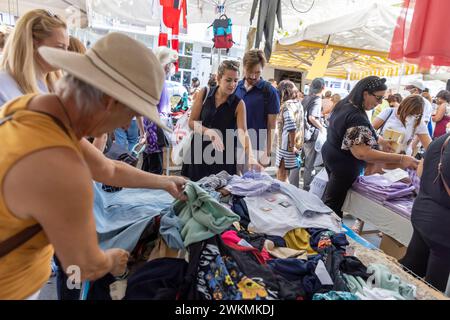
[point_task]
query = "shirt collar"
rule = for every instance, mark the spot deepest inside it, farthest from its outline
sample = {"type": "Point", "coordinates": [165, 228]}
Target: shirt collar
{"type": "Point", "coordinates": [212, 93]}
{"type": "Point", "coordinates": [259, 84]}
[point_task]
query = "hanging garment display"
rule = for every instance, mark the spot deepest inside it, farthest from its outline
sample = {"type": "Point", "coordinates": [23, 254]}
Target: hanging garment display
{"type": "Point", "coordinates": [266, 22]}
{"type": "Point", "coordinates": [251, 36]}
{"type": "Point", "coordinates": [170, 19]}
{"type": "Point", "coordinates": [223, 36]}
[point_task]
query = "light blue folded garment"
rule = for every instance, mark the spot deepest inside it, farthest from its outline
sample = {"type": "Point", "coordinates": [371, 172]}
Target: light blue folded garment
{"type": "Point", "coordinates": [123, 216]}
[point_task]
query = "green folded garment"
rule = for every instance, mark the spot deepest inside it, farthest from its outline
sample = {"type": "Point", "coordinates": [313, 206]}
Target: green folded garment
{"type": "Point", "coordinates": [355, 284]}
{"type": "Point", "coordinates": [384, 279]}
{"type": "Point", "coordinates": [335, 295]}
{"type": "Point", "coordinates": [201, 215]}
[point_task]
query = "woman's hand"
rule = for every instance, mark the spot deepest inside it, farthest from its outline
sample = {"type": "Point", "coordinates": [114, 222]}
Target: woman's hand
{"type": "Point", "coordinates": [409, 162]}
{"type": "Point", "coordinates": [175, 186]}
{"type": "Point", "coordinates": [254, 165]}
{"type": "Point", "coordinates": [215, 138]}
{"type": "Point", "coordinates": [119, 259]}
{"type": "Point", "coordinates": [143, 139]}
{"type": "Point", "coordinates": [386, 145]}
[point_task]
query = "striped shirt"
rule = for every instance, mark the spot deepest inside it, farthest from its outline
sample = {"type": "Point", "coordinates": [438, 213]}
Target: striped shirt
{"type": "Point", "coordinates": [286, 125]}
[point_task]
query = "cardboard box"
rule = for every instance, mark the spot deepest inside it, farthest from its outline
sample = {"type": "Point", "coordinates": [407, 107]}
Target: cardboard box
{"type": "Point", "coordinates": [392, 247]}
{"type": "Point", "coordinates": [393, 135]}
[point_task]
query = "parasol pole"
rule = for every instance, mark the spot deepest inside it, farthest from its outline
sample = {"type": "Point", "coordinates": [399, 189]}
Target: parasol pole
{"type": "Point", "coordinates": [400, 75]}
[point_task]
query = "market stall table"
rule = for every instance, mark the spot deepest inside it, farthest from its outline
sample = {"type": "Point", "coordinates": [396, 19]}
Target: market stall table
{"type": "Point", "coordinates": [369, 255]}
{"type": "Point", "coordinates": [388, 221]}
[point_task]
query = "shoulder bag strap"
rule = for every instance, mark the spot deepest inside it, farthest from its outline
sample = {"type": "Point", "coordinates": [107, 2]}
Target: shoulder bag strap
{"type": "Point", "coordinates": [18, 239]}
{"type": "Point", "coordinates": [207, 90]}
{"type": "Point", "coordinates": [440, 174]}
{"type": "Point", "coordinates": [385, 121]}
{"type": "Point", "coordinates": [23, 236]}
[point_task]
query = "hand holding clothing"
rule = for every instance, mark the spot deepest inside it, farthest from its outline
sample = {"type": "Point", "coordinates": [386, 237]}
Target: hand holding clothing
{"type": "Point", "coordinates": [408, 162]}
{"type": "Point", "coordinates": [119, 260]}
{"type": "Point", "coordinates": [386, 145]}
{"type": "Point", "coordinates": [175, 186]}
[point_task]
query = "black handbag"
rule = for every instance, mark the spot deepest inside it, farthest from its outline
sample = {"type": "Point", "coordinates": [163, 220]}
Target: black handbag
{"type": "Point", "coordinates": [162, 140]}
{"type": "Point", "coordinates": [117, 152]}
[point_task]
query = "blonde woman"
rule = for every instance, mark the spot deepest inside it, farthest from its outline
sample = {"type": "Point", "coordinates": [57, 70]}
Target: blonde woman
{"type": "Point", "coordinates": [76, 45]}
{"type": "Point", "coordinates": [23, 71]}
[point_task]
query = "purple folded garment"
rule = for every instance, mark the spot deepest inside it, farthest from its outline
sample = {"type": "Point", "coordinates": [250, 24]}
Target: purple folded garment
{"type": "Point", "coordinates": [403, 206]}
{"type": "Point", "coordinates": [398, 196]}
{"type": "Point", "coordinates": [415, 180]}
{"type": "Point", "coordinates": [377, 186]}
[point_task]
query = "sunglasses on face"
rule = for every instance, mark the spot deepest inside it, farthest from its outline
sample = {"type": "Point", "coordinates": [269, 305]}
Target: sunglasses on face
{"type": "Point", "coordinates": [379, 98]}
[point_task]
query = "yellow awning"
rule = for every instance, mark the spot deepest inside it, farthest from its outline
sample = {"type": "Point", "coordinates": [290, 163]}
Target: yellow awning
{"type": "Point", "coordinates": [345, 62]}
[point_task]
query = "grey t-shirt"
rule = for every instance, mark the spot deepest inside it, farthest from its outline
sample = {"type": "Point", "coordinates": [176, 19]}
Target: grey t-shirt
{"type": "Point", "coordinates": [316, 109]}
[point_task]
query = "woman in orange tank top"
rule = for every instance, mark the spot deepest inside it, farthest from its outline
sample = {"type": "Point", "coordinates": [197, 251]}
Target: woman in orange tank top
{"type": "Point", "coordinates": [47, 168]}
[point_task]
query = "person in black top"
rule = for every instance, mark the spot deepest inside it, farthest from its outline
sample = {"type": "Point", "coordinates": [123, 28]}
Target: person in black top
{"type": "Point", "coordinates": [428, 253]}
{"type": "Point", "coordinates": [212, 116]}
{"type": "Point", "coordinates": [352, 142]}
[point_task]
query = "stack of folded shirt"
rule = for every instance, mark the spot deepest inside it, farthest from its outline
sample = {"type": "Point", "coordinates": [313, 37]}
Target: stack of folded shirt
{"type": "Point", "coordinates": [397, 196]}
{"type": "Point", "coordinates": [381, 189]}
{"type": "Point", "coordinates": [252, 184]}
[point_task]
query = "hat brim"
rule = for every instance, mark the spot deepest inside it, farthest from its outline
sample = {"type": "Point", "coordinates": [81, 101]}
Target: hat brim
{"type": "Point", "coordinates": [82, 68]}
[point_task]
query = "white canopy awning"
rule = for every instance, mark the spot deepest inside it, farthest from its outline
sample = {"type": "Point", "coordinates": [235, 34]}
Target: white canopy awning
{"type": "Point", "coordinates": [295, 12]}
{"type": "Point", "coordinates": [369, 28]}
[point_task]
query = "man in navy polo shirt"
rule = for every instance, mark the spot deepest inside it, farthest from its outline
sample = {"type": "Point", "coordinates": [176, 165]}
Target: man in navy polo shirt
{"type": "Point", "coordinates": [262, 104]}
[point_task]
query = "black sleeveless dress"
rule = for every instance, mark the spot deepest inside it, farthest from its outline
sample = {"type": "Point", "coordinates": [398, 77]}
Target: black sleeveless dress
{"type": "Point", "coordinates": [221, 119]}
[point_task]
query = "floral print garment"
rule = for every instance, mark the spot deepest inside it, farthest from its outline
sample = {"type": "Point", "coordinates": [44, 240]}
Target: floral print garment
{"type": "Point", "coordinates": [358, 135]}
{"type": "Point", "coordinates": [152, 137]}
{"type": "Point", "coordinates": [219, 278]}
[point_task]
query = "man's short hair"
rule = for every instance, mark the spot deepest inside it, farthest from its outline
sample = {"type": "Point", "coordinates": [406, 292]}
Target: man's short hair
{"type": "Point", "coordinates": [254, 57]}
{"type": "Point", "coordinates": [317, 85]}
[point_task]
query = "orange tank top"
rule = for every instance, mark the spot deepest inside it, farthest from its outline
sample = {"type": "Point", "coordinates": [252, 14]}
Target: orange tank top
{"type": "Point", "coordinates": [27, 268]}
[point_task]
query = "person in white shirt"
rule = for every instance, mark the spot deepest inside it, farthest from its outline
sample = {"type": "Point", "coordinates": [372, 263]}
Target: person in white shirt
{"type": "Point", "coordinates": [406, 119]}
{"type": "Point", "coordinates": [417, 87]}
{"type": "Point", "coordinates": [23, 71]}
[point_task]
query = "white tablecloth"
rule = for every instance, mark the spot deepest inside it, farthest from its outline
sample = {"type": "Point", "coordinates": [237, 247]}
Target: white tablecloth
{"type": "Point", "coordinates": [386, 220]}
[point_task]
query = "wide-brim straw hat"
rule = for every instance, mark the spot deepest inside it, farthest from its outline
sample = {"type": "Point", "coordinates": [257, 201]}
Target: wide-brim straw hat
{"type": "Point", "coordinates": [119, 66]}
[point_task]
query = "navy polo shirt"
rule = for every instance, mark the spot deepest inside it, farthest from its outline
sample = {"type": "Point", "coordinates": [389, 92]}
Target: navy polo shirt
{"type": "Point", "coordinates": [257, 111]}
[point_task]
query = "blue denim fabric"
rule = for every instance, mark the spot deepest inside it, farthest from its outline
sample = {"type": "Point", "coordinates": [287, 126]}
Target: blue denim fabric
{"type": "Point", "coordinates": [127, 138]}
{"type": "Point", "coordinates": [170, 229]}
{"type": "Point", "coordinates": [121, 217]}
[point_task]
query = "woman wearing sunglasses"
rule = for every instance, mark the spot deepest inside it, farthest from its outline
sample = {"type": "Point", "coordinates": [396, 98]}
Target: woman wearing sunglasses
{"type": "Point", "coordinates": [407, 120]}
{"type": "Point", "coordinates": [352, 142]}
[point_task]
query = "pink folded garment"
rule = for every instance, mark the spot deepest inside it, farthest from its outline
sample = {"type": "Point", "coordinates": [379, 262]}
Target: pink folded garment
{"type": "Point", "coordinates": [231, 239]}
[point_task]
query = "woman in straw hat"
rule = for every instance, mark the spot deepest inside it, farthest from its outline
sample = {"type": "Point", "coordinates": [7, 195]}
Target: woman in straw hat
{"type": "Point", "coordinates": [47, 168]}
